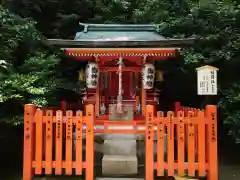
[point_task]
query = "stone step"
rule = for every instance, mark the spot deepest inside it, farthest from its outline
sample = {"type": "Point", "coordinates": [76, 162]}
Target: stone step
{"type": "Point", "coordinates": [120, 147]}
{"type": "Point", "coordinates": [119, 165]}
{"type": "Point", "coordinates": [122, 137]}
{"type": "Point", "coordinates": [128, 115]}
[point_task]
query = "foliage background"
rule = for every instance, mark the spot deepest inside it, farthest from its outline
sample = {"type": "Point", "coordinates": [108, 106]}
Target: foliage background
{"type": "Point", "coordinates": [30, 72]}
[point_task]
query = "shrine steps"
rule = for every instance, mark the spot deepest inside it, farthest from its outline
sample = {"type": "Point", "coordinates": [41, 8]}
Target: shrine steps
{"type": "Point", "coordinates": [120, 152]}
{"type": "Point", "coordinates": [120, 157]}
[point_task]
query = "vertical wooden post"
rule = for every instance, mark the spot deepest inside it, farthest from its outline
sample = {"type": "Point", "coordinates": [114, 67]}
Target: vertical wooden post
{"type": "Point", "coordinates": [149, 137]}
{"type": "Point", "coordinates": [181, 139]}
{"type": "Point", "coordinates": [59, 142]}
{"type": "Point", "coordinates": [201, 144]}
{"type": "Point", "coordinates": [49, 141]}
{"type": "Point", "coordinates": [97, 96]}
{"type": "Point", "coordinates": [191, 143]}
{"type": "Point", "coordinates": [107, 81]}
{"type": "Point", "coordinates": [39, 141]}
{"type": "Point", "coordinates": [170, 143]}
{"type": "Point", "coordinates": [90, 142]}
{"type": "Point", "coordinates": [160, 143]}
{"type": "Point", "coordinates": [79, 138]}
{"type": "Point", "coordinates": [143, 101]}
{"type": "Point", "coordinates": [137, 100]}
{"type": "Point", "coordinates": [211, 112]}
{"type": "Point", "coordinates": [63, 105]}
{"type": "Point", "coordinates": [177, 107]}
{"type": "Point", "coordinates": [130, 83]}
{"type": "Point", "coordinates": [69, 142]}
{"type": "Point", "coordinates": [29, 113]}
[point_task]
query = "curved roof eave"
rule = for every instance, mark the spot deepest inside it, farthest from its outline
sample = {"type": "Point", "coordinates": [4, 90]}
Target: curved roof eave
{"type": "Point", "coordinates": [127, 44]}
{"type": "Point", "coordinates": [119, 35]}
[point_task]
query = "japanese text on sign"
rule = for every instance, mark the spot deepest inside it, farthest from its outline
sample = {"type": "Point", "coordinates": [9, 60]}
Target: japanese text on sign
{"type": "Point", "coordinates": [207, 80]}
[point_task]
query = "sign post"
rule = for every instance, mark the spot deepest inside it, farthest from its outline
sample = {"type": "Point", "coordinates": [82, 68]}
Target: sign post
{"type": "Point", "coordinates": [207, 80]}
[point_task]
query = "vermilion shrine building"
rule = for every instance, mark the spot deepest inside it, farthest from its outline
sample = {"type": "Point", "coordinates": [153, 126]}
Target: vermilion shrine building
{"type": "Point", "coordinates": [131, 50]}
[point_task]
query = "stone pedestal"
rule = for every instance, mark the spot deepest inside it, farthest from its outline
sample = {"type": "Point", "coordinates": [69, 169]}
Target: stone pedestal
{"type": "Point", "coordinates": [127, 114]}
{"type": "Point", "coordinates": [120, 147]}
{"type": "Point", "coordinates": [120, 150]}
{"type": "Point", "coordinates": [119, 165]}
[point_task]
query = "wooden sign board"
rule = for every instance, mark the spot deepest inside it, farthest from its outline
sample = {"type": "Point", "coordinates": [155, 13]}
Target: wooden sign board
{"type": "Point", "coordinates": [207, 80]}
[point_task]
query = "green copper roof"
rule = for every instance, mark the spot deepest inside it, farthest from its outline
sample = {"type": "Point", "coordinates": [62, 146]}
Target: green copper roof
{"type": "Point", "coordinates": [118, 32]}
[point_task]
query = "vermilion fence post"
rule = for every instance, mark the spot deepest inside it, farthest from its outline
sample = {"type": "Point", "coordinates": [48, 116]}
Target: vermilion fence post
{"type": "Point", "coordinates": [177, 107]}
{"type": "Point", "coordinates": [90, 142]}
{"type": "Point", "coordinates": [181, 139]}
{"type": "Point", "coordinates": [29, 113]}
{"type": "Point", "coordinates": [49, 141]}
{"type": "Point", "coordinates": [63, 105]}
{"type": "Point", "coordinates": [59, 142]}
{"type": "Point", "coordinates": [39, 141]}
{"type": "Point", "coordinates": [201, 144]}
{"type": "Point", "coordinates": [160, 143]}
{"type": "Point", "coordinates": [191, 143]}
{"type": "Point", "coordinates": [79, 138]}
{"type": "Point", "coordinates": [69, 142]}
{"type": "Point", "coordinates": [149, 149]}
{"type": "Point", "coordinates": [211, 115]}
{"type": "Point", "coordinates": [170, 143]}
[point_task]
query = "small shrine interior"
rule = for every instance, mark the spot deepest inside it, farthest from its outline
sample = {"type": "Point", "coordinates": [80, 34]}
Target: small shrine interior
{"type": "Point", "coordinates": [120, 70]}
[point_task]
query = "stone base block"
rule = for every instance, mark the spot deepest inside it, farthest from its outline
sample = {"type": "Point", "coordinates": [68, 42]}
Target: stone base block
{"type": "Point", "coordinates": [120, 137]}
{"type": "Point", "coordinates": [119, 165]}
{"type": "Point", "coordinates": [127, 115]}
{"type": "Point", "coordinates": [120, 147]}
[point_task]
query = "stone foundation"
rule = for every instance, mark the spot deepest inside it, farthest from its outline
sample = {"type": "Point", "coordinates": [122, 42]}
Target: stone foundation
{"type": "Point", "coordinates": [119, 165]}
{"type": "Point", "coordinates": [120, 151]}
{"type": "Point", "coordinates": [120, 147]}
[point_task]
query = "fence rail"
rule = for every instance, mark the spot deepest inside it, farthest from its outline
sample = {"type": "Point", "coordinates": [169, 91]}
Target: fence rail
{"type": "Point", "coordinates": [54, 140]}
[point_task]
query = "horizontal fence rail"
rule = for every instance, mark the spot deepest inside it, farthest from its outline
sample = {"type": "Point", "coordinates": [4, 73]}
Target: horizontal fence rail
{"type": "Point", "coordinates": [185, 141]}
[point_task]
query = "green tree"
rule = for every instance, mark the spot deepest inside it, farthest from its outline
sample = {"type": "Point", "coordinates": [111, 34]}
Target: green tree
{"type": "Point", "coordinates": [29, 72]}
{"type": "Point", "coordinates": [214, 23]}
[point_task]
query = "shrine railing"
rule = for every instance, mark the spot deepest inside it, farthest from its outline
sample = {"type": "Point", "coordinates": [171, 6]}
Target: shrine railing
{"type": "Point", "coordinates": [52, 138]}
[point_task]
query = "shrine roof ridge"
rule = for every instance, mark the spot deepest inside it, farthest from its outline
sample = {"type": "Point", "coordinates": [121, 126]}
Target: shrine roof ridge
{"type": "Point", "coordinates": [119, 27]}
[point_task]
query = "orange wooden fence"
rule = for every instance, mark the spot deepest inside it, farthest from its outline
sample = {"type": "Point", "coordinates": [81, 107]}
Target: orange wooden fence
{"type": "Point", "coordinates": [43, 137]}
{"type": "Point", "coordinates": [49, 149]}
{"type": "Point", "coordinates": [185, 110]}
{"type": "Point", "coordinates": [206, 161]}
